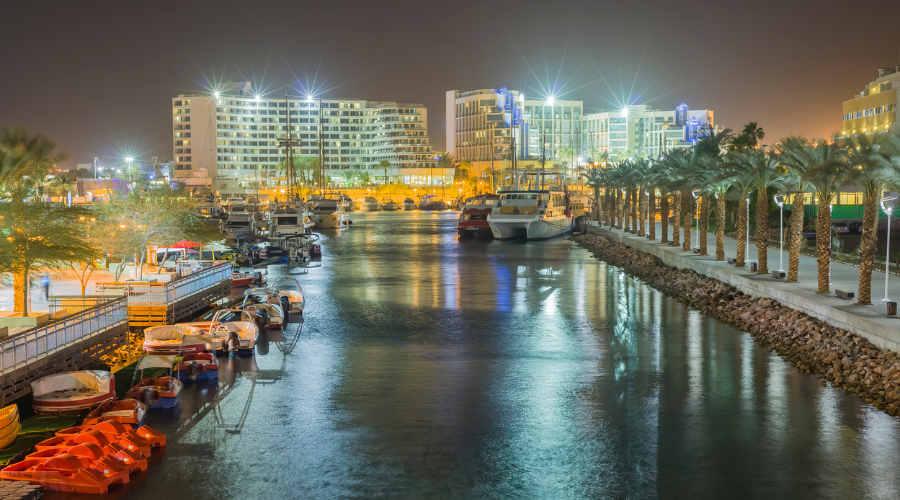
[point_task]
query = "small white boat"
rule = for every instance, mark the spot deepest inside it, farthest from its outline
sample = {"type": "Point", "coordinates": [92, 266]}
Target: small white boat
{"type": "Point", "coordinates": [329, 214]}
{"type": "Point", "coordinates": [390, 206]}
{"type": "Point", "coordinates": [264, 299]}
{"type": "Point", "coordinates": [173, 339]}
{"type": "Point", "coordinates": [228, 321]}
{"type": "Point", "coordinates": [290, 288]}
{"type": "Point", "coordinates": [409, 204]}
{"type": "Point", "coordinates": [72, 392]}
{"type": "Point", "coordinates": [372, 204]}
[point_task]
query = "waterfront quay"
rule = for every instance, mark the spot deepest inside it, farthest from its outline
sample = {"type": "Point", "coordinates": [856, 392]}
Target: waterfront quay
{"type": "Point", "coordinates": [431, 367]}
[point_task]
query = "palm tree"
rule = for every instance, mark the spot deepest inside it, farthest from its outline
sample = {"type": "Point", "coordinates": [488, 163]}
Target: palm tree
{"type": "Point", "coordinates": [711, 150]}
{"type": "Point", "coordinates": [827, 166]}
{"type": "Point", "coordinates": [870, 168]}
{"type": "Point", "coordinates": [792, 155]}
{"type": "Point", "coordinates": [749, 137]}
{"type": "Point", "coordinates": [594, 177]}
{"type": "Point", "coordinates": [735, 173]}
{"type": "Point", "coordinates": [762, 171]}
{"type": "Point", "coordinates": [61, 183]}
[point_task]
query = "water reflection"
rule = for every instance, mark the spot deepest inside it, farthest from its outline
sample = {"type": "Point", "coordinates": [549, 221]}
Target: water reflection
{"type": "Point", "coordinates": [434, 368]}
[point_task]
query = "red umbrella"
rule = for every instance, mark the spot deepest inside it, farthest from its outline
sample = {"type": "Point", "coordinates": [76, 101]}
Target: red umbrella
{"type": "Point", "coordinates": [185, 244]}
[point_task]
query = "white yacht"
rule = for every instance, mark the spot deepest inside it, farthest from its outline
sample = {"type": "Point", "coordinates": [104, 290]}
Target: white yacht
{"type": "Point", "coordinates": [372, 204]}
{"type": "Point", "coordinates": [409, 204]}
{"type": "Point", "coordinates": [389, 205]}
{"type": "Point", "coordinates": [329, 214]}
{"type": "Point", "coordinates": [346, 202]}
{"type": "Point", "coordinates": [289, 220]}
{"type": "Point", "coordinates": [534, 214]}
{"type": "Point", "coordinates": [235, 204]}
{"type": "Point", "coordinates": [239, 224]}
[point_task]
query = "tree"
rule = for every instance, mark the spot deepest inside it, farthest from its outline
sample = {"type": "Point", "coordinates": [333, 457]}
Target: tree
{"type": "Point", "coordinates": [791, 154]}
{"type": "Point", "coordinates": [749, 137]}
{"type": "Point", "coordinates": [870, 168]}
{"type": "Point", "coordinates": [62, 183]}
{"type": "Point", "coordinates": [38, 235]}
{"type": "Point", "coordinates": [384, 165]}
{"type": "Point", "coordinates": [761, 171]}
{"type": "Point", "coordinates": [711, 150]}
{"type": "Point", "coordinates": [827, 166]}
{"type": "Point", "coordinates": [594, 178]}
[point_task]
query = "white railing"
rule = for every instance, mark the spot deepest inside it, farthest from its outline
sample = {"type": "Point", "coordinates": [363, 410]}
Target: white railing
{"type": "Point", "coordinates": [145, 293]}
{"type": "Point", "coordinates": [20, 349]}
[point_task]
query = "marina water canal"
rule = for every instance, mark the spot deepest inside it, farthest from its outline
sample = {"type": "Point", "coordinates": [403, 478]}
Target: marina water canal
{"type": "Point", "coordinates": [429, 367]}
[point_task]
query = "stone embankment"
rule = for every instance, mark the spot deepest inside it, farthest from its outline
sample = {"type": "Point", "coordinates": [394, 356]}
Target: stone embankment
{"type": "Point", "coordinates": [844, 359]}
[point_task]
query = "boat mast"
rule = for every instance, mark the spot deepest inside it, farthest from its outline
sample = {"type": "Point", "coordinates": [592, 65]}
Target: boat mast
{"type": "Point", "coordinates": [288, 142]}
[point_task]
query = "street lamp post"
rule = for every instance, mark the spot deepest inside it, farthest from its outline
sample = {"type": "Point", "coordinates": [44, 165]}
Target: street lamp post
{"type": "Point", "coordinates": [830, 244]}
{"type": "Point", "coordinates": [779, 200]}
{"type": "Point", "coordinates": [647, 194]}
{"type": "Point", "coordinates": [887, 204]}
{"type": "Point", "coordinates": [621, 224]}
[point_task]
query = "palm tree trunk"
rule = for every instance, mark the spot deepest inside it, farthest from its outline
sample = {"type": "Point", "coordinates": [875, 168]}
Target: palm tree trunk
{"type": "Point", "coordinates": [762, 231]}
{"type": "Point", "coordinates": [611, 208]}
{"type": "Point", "coordinates": [651, 207]}
{"type": "Point", "coordinates": [867, 248]}
{"type": "Point", "coordinates": [664, 217]}
{"type": "Point", "coordinates": [741, 233]}
{"type": "Point", "coordinates": [620, 205]}
{"type": "Point", "coordinates": [795, 238]}
{"type": "Point", "coordinates": [687, 211]}
{"type": "Point", "coordinates": [598, 206]}
{"type": "Point", "coordinates": [642, 212]}
{"type": "Point", "coordinates": [635, 204]}
{"type": "Point", "coordinates": [704, 223]}
{"type": "Point", "coordinates": [720, 228]}
{"type": "Point", "coordinates": [676, 219]}
{"type": "Point", "coordinates": [20, 288]}
{"type": "Point", "coordinates": [823, 244]}
{"type": "Point", "coordinates": [626, 213]}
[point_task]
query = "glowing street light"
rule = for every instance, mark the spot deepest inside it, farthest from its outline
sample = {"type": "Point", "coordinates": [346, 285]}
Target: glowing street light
{"type": "Point", "coordinates": [129, 159]}
{"type": "Point", "coordinates": [779, 200]}
{"type": "Point", "coordinates": [625, 112]}
{"type": "Point", "coordinates": [887, 204]}
{"type": "Point", "coordinates": [216, 94]}
{"type": "Point", "coordinates": [551, 100]}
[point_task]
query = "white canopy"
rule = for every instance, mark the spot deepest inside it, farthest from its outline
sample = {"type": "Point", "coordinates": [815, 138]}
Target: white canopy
{"type": "Point", "coordinates": [93, 380]}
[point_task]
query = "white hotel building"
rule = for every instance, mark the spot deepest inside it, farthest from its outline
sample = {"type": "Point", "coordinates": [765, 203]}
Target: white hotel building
{"type": "Point", "coordinates": [481, 126]}
{"type": "Point", "coordinates": [228, 141]}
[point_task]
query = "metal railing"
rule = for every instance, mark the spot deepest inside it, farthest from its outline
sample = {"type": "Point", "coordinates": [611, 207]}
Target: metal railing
{"type": "Point", "coordinates": [147, 293]}
{"type": "Point", "coordinates": [20, 349]}
{"type": "Point", "coordinates": [65, 305]}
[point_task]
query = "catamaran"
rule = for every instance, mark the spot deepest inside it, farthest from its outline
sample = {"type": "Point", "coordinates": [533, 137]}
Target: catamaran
{"type": "Point", "coordinates": [535, 214]}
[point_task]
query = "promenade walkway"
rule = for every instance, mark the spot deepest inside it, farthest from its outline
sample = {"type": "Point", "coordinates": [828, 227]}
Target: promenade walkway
{"type": "Point", "coordinates": [870, 322]}
{"type": "Point", "coordinates": [61, 283]}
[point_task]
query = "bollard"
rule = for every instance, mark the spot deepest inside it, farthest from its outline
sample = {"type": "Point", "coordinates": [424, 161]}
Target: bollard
{"type": "Point", "coordinates": [891, 308]}
{"type": "Point", "coordinates": [753, 267]}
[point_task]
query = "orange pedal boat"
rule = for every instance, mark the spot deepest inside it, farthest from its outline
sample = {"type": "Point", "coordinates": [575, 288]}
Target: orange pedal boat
{"type": "Point", "coordinates": [61, 473]}
{"type": "Point", "coordinates": [126, 411]}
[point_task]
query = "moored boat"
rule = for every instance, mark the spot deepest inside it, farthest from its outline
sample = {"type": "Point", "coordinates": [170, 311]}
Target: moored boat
{"type": "Point", "coordinates": [9, 425]}
{"type": "Point", "coordinates": [329, 214]}
{"type": "Point", "coordinates": [290, 289]}
{"type": "Point", "coordinates": [409, 204]}
{"type": "Point", "coordinates": [172, 339]}
{"type": "Point", "coordinates": [125, 411]}
{"type": "Point", "coordinates": [473, 219]}
{"type": "Point", "coordinates": [155, 392]}
{"type": "Point", "coordinates": [389, 205]}
{"type": "Point", "coordinates": [201, 366]}
{"type": "Point", "coordinates": [371, 204]}
{"type": "Point", "coordinates": [72, 392]}
{"type": "Point", "coordinates": [534, 214]}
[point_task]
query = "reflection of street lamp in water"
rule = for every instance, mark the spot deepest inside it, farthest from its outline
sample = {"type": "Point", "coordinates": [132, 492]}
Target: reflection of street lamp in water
{"type": "Point", "coordinates": [887, 204]}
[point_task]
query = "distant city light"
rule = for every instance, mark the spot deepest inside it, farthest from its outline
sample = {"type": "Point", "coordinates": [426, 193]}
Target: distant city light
{"type": "Point", "coordinates": [257, 98]}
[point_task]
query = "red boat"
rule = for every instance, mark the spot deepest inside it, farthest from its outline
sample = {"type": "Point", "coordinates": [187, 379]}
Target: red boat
{"type": "Point", "coordinates": [241, 279]}
{"type": "Point", "coordinates": [126, 411]}
{"type": "Point", "coordinates": [473, 219]}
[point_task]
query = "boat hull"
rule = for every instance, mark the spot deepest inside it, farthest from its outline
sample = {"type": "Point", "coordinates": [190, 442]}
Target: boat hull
{"type": "Point", "coordinates": [530, 228]}
{"type": "Point", "coordinates": [332, 221]}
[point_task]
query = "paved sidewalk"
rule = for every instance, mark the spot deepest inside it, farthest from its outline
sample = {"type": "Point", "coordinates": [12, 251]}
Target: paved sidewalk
{"type": "Point", "coordinates": [61, 283]}
{"type": "Point", "coordinates": [869, 321]}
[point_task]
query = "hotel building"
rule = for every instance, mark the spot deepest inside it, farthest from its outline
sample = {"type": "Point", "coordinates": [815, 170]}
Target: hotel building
{"type": "Point", "coordinates": [874, 109]}
{"type": "Point", "coordinates": [482, 126]}
{"type": "Point", "coordinates": [228, 141]}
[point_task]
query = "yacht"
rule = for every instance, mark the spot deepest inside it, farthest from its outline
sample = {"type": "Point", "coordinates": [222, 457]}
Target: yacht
{"type": "Point", "coordinates": [534, 214]}
{"type": "Point", "coordinates": [239, 225]}
{"type": "Point", "coordinates": [329, 214]}
{"type": "Point", "coordinates": [287, 219]}
{"type": "Point", "coordinates": [372, 204]}
{"type": "Point", "coordinates": [431, 202]}
{"type": "Point", "coordinates": [409, 204]}
{"type": "Point", "coordinates": [235, 204]}
{"type": "Point", "coordinates": [346, 202]}
{"type": "Point", "coordinates": [389, 205]}
{"type": "Point", "coordinates": [475, 211]}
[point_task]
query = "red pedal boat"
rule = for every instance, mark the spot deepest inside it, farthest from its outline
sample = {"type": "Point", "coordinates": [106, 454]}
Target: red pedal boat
{"type": "Point", "coordinates": [61, 473]}
{"type": "Point", "coordinates": [200, 366]}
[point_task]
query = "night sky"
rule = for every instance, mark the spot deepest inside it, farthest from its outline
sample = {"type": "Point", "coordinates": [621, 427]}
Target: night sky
{"type": "Point", "coordinates": [98, 77]}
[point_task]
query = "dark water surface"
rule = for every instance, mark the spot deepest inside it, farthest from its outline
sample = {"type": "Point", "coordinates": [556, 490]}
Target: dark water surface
{"type": "Point", "coordinates": [428, 367]}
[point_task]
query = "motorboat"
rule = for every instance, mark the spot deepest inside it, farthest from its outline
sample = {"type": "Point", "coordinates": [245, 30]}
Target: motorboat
{"type": "Point", "coordinates": [346, 202]}
{"type": "Point", "coordinates": [173, 339]}
{"type": "Point", "coordinates": [226, 322]}
{"type": "Point", "coordinates": [239, 225]}
{"type": "Point", "coordinates": [475, 211]}
{"type": "Point", "coordinates": [155, 392]}
{"type": "Point", "coordinates": [72, 392]}
{"type": "Point", "coordinates": [290, 289]}
{"type": "Point", "coordinates": [534, 214]}
{"type": "Point", "coordinates": [389, 206]}
{"type": "Point", "coordinates": [200, 366]}
{"type": "Point", "coordinates": [241, 279]}
{"type": "Point", "coordinates": [258, 300]}
{"type": "Point", "coordinates": [431, 202]}
{"type": "Point", "coordinates": [9, 424]}
{"type": "Point", "coordinates": [290, 220]}
{"type": "Point", "coordinates": [235, 204]}
{"type": "Point", "coordinates": [371, 204]}
{"type": "Point", "coordinates": [409, 204]}
{"type": "Point", "coordinates": [329, 214]}
{"type": "Point", "coordinates": [127, 411]}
